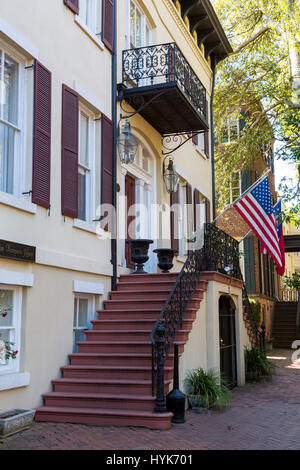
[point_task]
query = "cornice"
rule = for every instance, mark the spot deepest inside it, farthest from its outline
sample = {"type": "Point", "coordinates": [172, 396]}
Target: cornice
{"type": "Point", "coordinates": [187, 35]}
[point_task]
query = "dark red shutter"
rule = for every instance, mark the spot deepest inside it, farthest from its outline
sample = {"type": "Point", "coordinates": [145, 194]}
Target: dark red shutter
{"type": "Point", "coordinates": [107, 167]}
{"type": "Point", "coordinates": [73, 5]}
{"type": "Point", "coordinates": [69, 152]}
{"type": "Point", "coordinates": [108, 23]}
{"type": "Point", "coordinates": [206, 143]}
{"type": "Point", "coordinates": [190, 211]}
{"type": "Point", "coordinates": [174, 199]}
{"type": "Point", "coordinates": [207, 211]}
{"type": "Point", "coordinates": [41, 136]}
{"type": "Point", "coordinates": [197, 202]}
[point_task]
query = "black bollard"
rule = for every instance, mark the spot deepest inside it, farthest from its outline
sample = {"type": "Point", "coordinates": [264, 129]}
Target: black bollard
{"type": "Point", "coordinates": [176, 399]}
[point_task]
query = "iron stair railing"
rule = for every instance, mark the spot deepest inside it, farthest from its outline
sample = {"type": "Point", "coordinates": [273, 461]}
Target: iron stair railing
{"type": "Point", "coordinates": [219, 251]}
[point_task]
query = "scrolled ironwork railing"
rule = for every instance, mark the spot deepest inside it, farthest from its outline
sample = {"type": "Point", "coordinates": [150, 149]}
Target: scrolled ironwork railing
{"type": "Point", "coordinates": [218, 252]}
{"type": "Point", "coordinates": [163, 63]}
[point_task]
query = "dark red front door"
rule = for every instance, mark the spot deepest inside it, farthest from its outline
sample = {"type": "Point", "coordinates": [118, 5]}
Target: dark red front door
{"type": "Point", "coordinates": [130, 227]}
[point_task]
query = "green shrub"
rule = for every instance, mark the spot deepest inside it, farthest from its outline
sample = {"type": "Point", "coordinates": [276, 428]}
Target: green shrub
{"type": "Point", "coordinates": [257, 364]}
{"type": "Point", "coordinates": [208, 385]}
{"type": "Point", "coordinates": [256, 311]}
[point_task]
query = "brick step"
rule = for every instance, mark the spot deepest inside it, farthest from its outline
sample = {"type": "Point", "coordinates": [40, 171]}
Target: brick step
{"type": "Point", "coordinates": [138, 324]}
{"type": "Point", "coordinates": [108, 386]}
{"type": "Point", "coordinates": [135, 278]}
{"type": "Point", "coordinates": [104, 417]}
{"type": "Point", "coordinates": [115, 359]}
{"type": "Point", "coordinates": [287, 330]}
{"type": "Point", "coordinates": [147, 295]}
{"type": "Point", "coordinates": [146, 304]}
{"type": "Point", "coordinates": [120, 347]}
{"type": "Point", "coordinates": [112, 372]}
{"type": "Point", "coordinates": [127, 335]}
{"type": "Point", "coordinates": [140, 313]}
{"type": "Point", "coordinates": [99, 400]}
{"type": "Point", "coordinates": [153, 286]}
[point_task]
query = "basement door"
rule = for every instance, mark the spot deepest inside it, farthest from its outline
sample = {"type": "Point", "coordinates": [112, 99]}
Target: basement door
{"type": "Point", "coordinates": [130, 222]}
{"type": "Point", "coordinates": [228, 362]}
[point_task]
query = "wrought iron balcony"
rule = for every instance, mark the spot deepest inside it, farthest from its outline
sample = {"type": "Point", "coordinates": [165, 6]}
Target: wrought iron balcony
{"type": "Point", "coordinates": [159, 81]}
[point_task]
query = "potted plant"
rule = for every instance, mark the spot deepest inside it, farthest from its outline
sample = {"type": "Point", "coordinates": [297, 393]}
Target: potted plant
{"type": "Point", "coordinates": [257, 364]}
{"type": "Point", "coordinates": [206, 389]}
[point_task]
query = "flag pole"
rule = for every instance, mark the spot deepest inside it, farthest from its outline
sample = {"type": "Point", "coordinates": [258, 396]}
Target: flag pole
{"type": "Point", "coordinates": [245, 236]}
{"type": "Point", "coordinates": [243, 194]}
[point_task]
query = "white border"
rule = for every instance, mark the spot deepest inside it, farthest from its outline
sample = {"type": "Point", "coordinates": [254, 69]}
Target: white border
{"type": "Point", "coordinates": [19, 39]}
{"type": "Point", "coordinates": [14, 278]}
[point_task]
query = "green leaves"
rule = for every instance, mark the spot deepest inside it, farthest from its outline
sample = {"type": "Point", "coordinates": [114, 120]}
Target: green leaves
{"type": "Point", "coordinates": [210, 386]}
{"type": "Point", "coordinates": [256, 77]}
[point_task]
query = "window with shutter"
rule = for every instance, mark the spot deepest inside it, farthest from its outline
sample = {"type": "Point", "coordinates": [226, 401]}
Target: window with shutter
{"type": "Point", "coordinates": [189, 211]}
{"type": "Point", "coordinates": [107, 172]}
{"type": "Point", "coordinates": [73, 5]}
{"type": "Point", "coordinates": [108, 23]}
{"type": "Point", "coordinates": [207, 211]}
{"type": "Point", "coordinates": [197, 209]}
{"type": "Point", "coordinates": [41, 136]}
{"type": "Point", "coordinates": [69, 152]}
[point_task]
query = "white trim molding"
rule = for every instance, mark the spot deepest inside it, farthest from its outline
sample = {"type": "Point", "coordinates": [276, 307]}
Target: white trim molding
{"type": "Point", "coordinates": [17, 203]}
{"type": "Point", "coordinates": [87, 96]}
{"type": "Point", "coordinates": [15, 278]}
{"type": "Point", "coordinates": [9, 381]}
{"type": "Point", "coordinates": [19, 39]}
{"type": "Point", "coordinates": [88, 288]}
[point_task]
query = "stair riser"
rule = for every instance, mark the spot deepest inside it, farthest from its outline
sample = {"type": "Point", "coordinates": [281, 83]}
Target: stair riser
{"type": "Point", "coordinates": [122, 336]}
{"type": "Point", "coordinates": [145, 287]}
{"type": "Point", "coordinates": [117, 315]}
{"type": "Point", "coordinates": [146, 304]}
{"type": "Point", "coordinates": [141, 296]}
{"type": "Point", "coordinates": [130, 389]}
{"type": "Point", "coordinates": [118, 361]}
{"type": "Point", "coordinates": [119, 348]}
{"type": "Point", "coordinates": [135, 278]}
{"type": "Point", "coordinates": [117, 404]}
{"type": "Point", "coordinates": [94, 420]}
{"type": "Point", "coordinates": [126, 325]}
{"type": "Point", "coordinates": [112, 374]}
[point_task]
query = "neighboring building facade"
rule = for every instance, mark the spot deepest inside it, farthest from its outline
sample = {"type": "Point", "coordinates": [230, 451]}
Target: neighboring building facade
{"type": "Point", "coordinates": [56, 151]}
{"type": "Point", "coordinates": [259, 270]}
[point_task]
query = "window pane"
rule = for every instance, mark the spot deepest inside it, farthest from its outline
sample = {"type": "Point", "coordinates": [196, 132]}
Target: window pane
{"type": "Point", "coordinates": [84, 131]}
{"type": "Point", "coordinates": [138, 29]}
{"type": "Point", "coordinates": [6, 308]}
{"type": "Point", "coordinates": [233, 130]}
{"type": "Point", "coordinates": [82, 194]}
{"type": "Point", "coordinates": [7, 148]}
{"type": "Point", "coordinates": [4, 336]}
{"type": "Point", "coordinates": [83, 313]}
{"type": "Point", "coordinates": [11, 81]}
{"type": "Point", "coordinates": [75, 313]}
{"type": "Point", "coordinates": [132, 24]}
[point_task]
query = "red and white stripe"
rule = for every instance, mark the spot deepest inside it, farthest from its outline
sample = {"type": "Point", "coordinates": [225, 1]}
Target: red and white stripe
{"type": "Point", "coordinates": [263, 226]}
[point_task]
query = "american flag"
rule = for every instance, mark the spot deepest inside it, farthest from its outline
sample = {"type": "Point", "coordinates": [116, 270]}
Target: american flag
{"type": "Point", "coordinates": [257, 210]}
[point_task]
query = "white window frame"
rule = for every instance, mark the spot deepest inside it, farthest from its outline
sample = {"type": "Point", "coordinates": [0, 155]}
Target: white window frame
{"type": "Point", "coordinates": [231, 188]}
{"type": "Point", "coordinates": [20, 127]}
{"type": "Point", "coordinates": [90, 169]}
{"type": "Point", "coordinates": [14, 364]}
{"type": "Point", "coordinates": [91, 313]}
{"type": "Point", "coordinates": [144, 24]}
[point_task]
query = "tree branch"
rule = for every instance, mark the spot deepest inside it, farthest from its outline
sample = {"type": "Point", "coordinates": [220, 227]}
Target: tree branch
{"type": "Point", "coordinates": [244, 44]}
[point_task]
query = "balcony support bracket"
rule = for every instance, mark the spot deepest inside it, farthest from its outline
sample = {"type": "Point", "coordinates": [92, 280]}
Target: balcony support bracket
{"type": "Point", "coordinates": [134, 101]}
{"type": "Point", "coordinates": [172, 142]}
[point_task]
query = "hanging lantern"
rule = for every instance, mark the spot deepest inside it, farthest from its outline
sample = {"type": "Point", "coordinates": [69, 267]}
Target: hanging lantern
{"type": "Point", "coordinates": [171, 178]}
{"type": "Point", "coordinates": [127, 145]}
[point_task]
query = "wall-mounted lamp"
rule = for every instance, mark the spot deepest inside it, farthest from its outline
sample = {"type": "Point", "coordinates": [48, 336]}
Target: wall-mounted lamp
{"type": "Point", "coordinates": [171, 178]}
{"type": "Point", "coordinates": [127, 144]}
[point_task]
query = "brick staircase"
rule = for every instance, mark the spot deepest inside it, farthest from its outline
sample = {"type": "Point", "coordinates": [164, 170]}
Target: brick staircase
{"type": "Point", "coordinates": [284, 327]}
{"type": "Point", "coordinates": [109, 381]}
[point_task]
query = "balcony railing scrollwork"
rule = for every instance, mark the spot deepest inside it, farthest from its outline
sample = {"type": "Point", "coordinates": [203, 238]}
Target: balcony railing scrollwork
{"type": "Point", "coordinates": [163, 64]}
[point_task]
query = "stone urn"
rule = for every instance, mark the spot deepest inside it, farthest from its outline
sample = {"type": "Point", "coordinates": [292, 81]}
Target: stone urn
{"type": "Point", "coordinates": [165, 258]}
{"type": "Point", "coordinates": [139, 254]}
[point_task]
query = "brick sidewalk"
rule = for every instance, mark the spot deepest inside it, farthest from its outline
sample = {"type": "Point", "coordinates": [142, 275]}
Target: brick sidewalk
{"type": "Point", "coordinates": [261, 416]}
